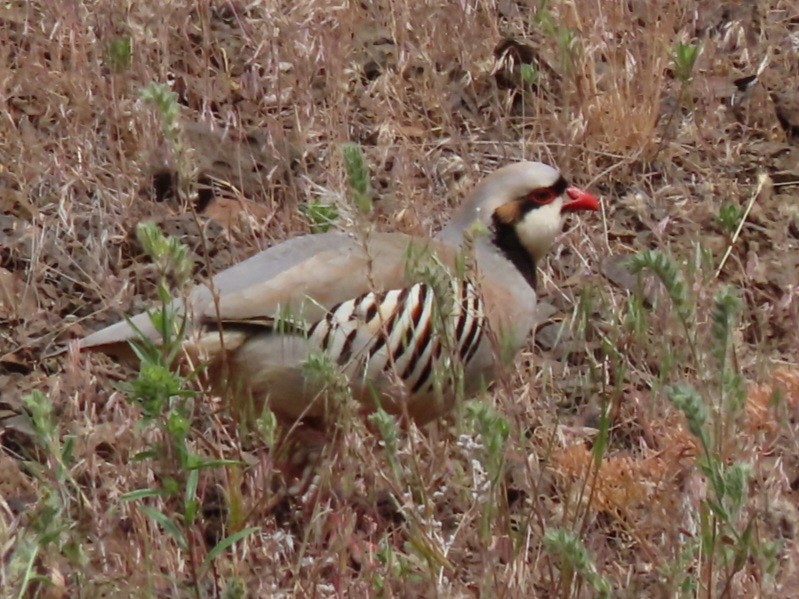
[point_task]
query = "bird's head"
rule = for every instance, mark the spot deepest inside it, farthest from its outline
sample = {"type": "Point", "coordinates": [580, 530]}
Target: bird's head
{"type": "Point", "coordinates": [523, 205]}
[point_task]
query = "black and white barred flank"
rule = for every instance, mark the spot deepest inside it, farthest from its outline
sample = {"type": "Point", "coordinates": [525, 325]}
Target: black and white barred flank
{"type": "Point", "coordinates": [404, 331]}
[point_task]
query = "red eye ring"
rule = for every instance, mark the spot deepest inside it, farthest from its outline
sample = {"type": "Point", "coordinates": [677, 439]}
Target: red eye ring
{"type": "Point", "coordinates": [542, 196]}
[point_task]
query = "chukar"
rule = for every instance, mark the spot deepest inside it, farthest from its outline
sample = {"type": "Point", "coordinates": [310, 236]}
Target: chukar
{"type": "Point", "coordinates": [410, 322]}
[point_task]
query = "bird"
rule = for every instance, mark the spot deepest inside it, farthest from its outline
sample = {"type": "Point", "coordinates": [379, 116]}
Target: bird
{"type": "Point", "coordinates": [409, 323]}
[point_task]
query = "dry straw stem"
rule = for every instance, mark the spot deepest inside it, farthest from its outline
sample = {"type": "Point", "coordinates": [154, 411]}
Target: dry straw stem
{"type": "Point", "coordinates": [763, 191]}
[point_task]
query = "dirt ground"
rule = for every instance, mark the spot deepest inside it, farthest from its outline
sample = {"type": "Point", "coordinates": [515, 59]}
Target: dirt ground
{"type": "Point", "coordinates": [702, 165]}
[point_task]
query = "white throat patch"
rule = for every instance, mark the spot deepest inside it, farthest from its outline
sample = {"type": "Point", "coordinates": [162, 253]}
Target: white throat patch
{"type": "Point", "coordinates": [539, 227]}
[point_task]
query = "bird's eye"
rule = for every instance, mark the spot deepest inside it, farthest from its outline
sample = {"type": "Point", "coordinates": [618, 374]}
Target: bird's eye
{"type": "Point", "coordinates": [542, 196]}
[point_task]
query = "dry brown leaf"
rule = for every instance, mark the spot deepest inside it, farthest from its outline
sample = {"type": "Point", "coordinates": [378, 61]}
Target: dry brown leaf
{"type": "Point", "coordinates": [228, 211]}
{"type": "Point", "coordinates": [14, 202]}
{"type": "Point", "coordinates": [17, 300]}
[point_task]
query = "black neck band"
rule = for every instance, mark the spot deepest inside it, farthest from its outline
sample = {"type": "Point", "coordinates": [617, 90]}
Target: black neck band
{"type": "Point", "coordinates": [506, 239]}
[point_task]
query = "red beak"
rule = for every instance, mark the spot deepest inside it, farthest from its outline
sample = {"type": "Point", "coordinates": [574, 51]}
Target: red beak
{"type": "Point", "coordinates": [580, 200]}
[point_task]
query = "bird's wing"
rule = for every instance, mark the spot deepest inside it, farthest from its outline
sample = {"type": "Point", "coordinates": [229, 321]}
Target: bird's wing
{"type": "Point", "coordinates": [345, 269]}
{"type": "Point", "coordinates": [303, 277]}
{"type": "Point", "coordinates": [258, 268]}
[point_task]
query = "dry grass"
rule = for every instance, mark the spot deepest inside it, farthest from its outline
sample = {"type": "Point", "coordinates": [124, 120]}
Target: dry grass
{"type": "Point", "coordinates": [436, 96]}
